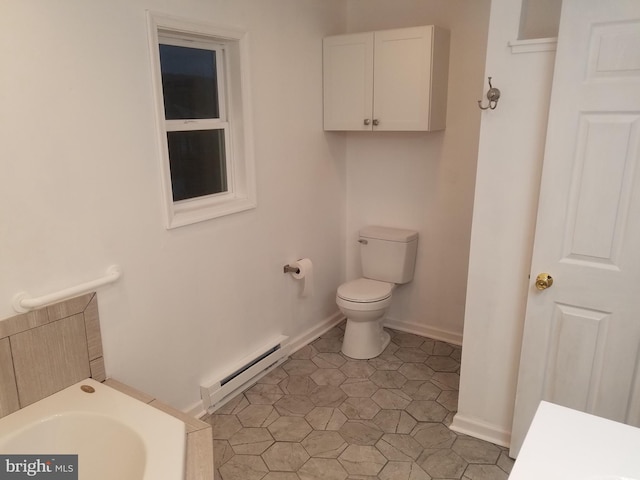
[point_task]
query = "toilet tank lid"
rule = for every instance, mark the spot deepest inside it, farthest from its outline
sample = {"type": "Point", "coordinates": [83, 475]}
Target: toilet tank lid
{"type": "Point", "coordinates": [388, 233]}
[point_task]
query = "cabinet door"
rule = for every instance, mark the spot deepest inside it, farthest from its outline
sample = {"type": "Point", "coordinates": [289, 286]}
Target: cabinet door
{"type": "Point", "coordinates": [402, 78]}
{"type": "Point", "coordinates": [348, 82]}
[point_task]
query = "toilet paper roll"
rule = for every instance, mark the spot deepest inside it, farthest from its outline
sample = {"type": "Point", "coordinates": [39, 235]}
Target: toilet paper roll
{"type": "Point", "coordinates": [305, 274]}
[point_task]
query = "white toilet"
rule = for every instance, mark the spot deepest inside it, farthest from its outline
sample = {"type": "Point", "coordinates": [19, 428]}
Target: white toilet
{"type": "Point", "coordinates": [388, 259]}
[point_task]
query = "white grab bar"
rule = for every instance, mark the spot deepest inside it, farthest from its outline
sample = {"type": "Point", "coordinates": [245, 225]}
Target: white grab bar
{"type": "Point", "coordinates": [22, 303]}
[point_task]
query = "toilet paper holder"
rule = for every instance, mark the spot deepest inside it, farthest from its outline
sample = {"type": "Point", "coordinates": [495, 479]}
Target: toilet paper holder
{"type": "Point", "coordinates": [289, 269]}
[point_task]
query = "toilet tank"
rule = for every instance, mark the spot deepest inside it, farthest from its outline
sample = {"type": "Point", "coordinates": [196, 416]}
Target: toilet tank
{"type": "Point", "coordinates": [388, 254]}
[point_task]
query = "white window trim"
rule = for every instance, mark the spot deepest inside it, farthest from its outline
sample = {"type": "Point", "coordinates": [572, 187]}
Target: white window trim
{"type": "Point", "coordinates": [241, 194]}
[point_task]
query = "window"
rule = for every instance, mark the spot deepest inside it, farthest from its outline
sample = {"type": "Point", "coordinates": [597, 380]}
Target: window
{"type": "Point", "coordinates": [203, 117]}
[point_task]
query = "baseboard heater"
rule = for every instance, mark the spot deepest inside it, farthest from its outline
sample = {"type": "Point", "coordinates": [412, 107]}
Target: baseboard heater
{"type": "Point", "coordinates": [245, 372]}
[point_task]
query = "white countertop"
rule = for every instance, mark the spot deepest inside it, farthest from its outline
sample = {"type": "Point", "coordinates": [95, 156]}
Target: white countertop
{"type": "Point", "coordinates": [565, 444]}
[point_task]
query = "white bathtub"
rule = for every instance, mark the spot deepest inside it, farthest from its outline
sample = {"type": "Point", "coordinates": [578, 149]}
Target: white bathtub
{"type": "Point", "coordinates": [115, 436]}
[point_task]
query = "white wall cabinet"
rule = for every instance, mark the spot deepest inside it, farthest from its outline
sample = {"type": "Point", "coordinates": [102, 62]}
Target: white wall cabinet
{"type": "Point", "coordinates": [386, 80]}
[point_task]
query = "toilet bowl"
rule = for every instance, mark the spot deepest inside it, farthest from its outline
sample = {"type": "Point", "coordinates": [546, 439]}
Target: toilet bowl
{"type": "Point", "coordinates": [388, 258]}
{"type": "Point", "coordinates": [364, 302]}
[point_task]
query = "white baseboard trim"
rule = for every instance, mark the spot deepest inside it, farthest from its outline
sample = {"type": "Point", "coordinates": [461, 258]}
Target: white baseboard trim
{"type": "Point", "coordinates": [310, 335]}
{"type": "Point", "coordinates": [196, 410]}
{"type": "Point", "coordinates": [482, 430]}
{"type": "Point", "coordinates": [424, 331]}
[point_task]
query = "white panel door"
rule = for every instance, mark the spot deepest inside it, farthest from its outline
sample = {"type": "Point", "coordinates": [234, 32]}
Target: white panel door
{"type": "Point", "coordinates": [402, 77]}
{"type": "Point", "coordinates": [582, 335]}
{"type": "Point", "coordinates": [348, 81]}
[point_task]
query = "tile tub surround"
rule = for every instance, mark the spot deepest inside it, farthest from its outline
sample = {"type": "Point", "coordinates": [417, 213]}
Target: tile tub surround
{"type": "Point", "coordinates": [49, 349]}
{"type": "Point", "coordinates": [322, 415]}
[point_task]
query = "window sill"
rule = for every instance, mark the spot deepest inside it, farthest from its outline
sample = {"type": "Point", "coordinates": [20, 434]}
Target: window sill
{"type": "Point", "coordinates": [179, 215]}
{"type": "Point", "coordinates": [533, 45]}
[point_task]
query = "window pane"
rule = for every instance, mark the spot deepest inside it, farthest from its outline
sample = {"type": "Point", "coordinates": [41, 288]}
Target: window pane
{"type": "Point", "coordinates": [189, 82]}
{"type": "Point", "coordinates": [197, 161]}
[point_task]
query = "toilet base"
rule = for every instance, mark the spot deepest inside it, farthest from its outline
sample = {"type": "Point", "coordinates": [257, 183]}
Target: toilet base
{"type": "Point", "coordinates": [364, 340]}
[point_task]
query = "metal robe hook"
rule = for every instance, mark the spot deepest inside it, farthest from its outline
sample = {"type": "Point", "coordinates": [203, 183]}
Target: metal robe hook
{"type": "Point", "coordinates": [493, 95]}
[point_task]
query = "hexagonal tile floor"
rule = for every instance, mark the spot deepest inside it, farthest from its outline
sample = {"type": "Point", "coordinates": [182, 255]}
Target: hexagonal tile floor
{"type": "Point", "coordinates": [324, 416]}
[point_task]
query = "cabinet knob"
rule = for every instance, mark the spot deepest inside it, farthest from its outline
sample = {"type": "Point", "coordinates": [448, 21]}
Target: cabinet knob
{"type": "Point", "coordinates": [367, 121]}
{"type": "Point", "coordinates": [376, 122]}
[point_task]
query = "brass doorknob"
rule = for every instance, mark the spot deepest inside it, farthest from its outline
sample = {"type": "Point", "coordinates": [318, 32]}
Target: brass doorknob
{"type": "Point", "coordinates": [543, 281]}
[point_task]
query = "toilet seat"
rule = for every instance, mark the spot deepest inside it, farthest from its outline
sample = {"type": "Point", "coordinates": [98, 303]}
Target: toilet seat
{"type": "Point", "coordinates": [365, 290]}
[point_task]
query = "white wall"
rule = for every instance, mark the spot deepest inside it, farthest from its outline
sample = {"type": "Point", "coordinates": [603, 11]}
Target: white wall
{"type": "Point", "coordinates": [508, 177]}
{"type": "Point", "coordinates": [423, 181]}
{"type": "Point", "coordinates": [80, 186]}
{"type": "Point", "coordinates": [539, 19]}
